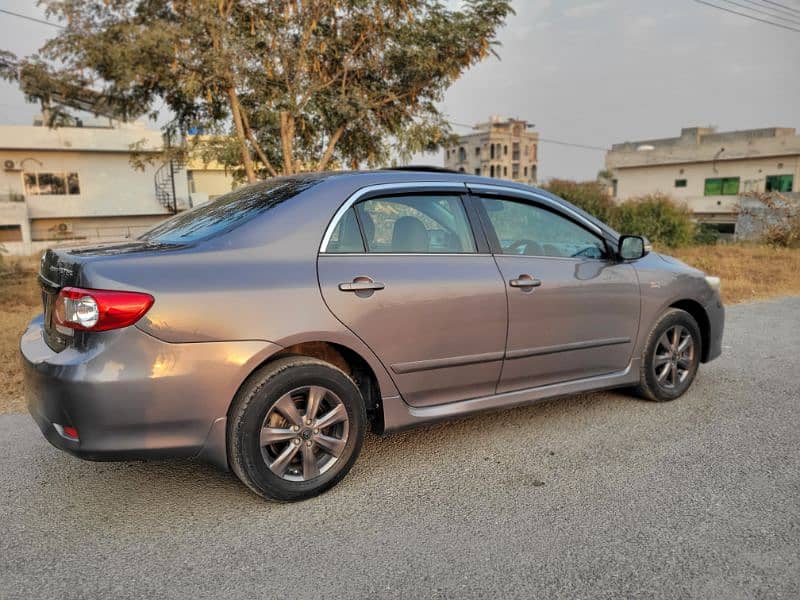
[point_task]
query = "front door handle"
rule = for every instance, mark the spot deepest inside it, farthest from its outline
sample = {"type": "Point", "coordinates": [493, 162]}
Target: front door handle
{"type": "Point", "coordinates": [525, 281]}
{"type": "Point", "coordinates": [362, 284]}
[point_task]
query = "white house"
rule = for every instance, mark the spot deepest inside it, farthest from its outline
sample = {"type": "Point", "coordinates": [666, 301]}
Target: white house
{"type": "Point", "coordinates": [74, 184]}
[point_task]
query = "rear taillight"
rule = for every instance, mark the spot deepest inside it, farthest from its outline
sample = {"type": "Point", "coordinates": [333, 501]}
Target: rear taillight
{"type": "Point", "coordinates": [99, 310]}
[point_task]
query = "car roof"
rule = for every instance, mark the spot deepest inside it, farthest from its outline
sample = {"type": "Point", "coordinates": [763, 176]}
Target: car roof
{"type": "Point", "coordinates": [358, 179]}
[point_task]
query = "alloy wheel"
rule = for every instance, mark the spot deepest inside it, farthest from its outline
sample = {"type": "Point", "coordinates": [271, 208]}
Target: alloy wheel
{"type": "Point", "coordinates": [674, 356]}
{"type": "Point", "coordinates": [304, 433]}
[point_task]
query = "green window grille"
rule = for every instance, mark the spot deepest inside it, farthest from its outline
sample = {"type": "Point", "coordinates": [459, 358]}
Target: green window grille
{"type": "Point", "coordinates": [779, 183]}
{"type": "Point", "coordinates": [721, 186]}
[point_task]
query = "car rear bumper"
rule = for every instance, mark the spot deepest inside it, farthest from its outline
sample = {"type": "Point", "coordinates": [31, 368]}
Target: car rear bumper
{"type": "Point", "coordinates": [131, 396]}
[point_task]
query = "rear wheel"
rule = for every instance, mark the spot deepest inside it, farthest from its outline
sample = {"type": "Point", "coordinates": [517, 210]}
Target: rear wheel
{"type": "Point", "coordinates": [295, 429]}
{"type": "Point", "coordinates": [671, 358]}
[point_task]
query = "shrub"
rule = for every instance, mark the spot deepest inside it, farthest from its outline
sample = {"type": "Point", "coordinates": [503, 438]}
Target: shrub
{"type": "Point", "coordinates": [705, 235]}
{"type": "Point", "coordinates": [591, 196]}
{"type": "Point", "coordinates": [658, 218]}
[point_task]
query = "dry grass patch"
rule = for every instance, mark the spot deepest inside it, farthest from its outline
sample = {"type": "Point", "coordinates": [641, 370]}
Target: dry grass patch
{"type": "Point", "coordinates": [19, 302]}
{"type": "Point", "coordinates": [748, 272]}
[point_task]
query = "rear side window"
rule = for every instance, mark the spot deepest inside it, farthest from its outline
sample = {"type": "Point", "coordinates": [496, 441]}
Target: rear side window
{"type": "Point", "coordinates": [416, 224]}
{"type": "Point", "coordinates": [227, 211]}
{"type": "Point", "coordinates": [346, 236]}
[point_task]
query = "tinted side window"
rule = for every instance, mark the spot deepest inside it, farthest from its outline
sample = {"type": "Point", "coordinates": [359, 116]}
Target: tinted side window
{"type": "Point", "coordinates": [416, 224]}
{"type": "Point", "coordinates": [531, 230]}
{"type": "Point", "coordinates": [346, 236]}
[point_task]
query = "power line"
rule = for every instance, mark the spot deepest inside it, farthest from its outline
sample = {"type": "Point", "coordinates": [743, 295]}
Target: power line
{"type": "Point", "coordinates": [573, 145]}
{"type": "Point", "coordinates": [763, 12]}
{"type": "Point", "coordinates": [747, 16]}
{"type": "Point", "coordinates": [546, 140]}
{"type": "Point", "coordinates": [783, 6]}
{"type": "Point", "coordinates": [34, 19]}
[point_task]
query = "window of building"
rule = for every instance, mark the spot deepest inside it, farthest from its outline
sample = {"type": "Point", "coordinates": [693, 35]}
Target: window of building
{"type": "Point", "coordinates": [10, 233]}
{"type": "Point", "coordinates": [491, 171]}
{"type": "Point", "coordinates": [505, 150]}
{"type": "Point", "coordinates": [417, 224]}
{"type": "Point", "coordinates": [515, 171]}
{"type": "Point", "coordinates": [721, 186]}
{"type": "Point", "coordinates": [477, 170]}
{"type": "Point", "coordinates": [51, 184]}
{"type": "Point", "coordinates": [779, 183]}
{"type": "Point", "coordinates": [533, 152]}
{"type": "Point", "coordinates": [722, 228]}
{"type": "Point", "coordinates": [462, 154]}
{"type": "Point", "coordinates": [680, 183]}
{"type": "Point", "coordinates": [515, 151]}
{"type": "Point", "coordinates": [525, 171]}
{"type": "Point", "coordinates": [505, 171]}
{"type": "Point", "coordinates": [491, 151]}
{"type": "Point", "coordinates": [477, 150]}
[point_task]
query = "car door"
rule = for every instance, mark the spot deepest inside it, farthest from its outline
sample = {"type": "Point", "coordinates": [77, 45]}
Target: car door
{"type": "Point", "coordinates": [404, 272]}
{"type": "Point", "coordinates": [573, 308]}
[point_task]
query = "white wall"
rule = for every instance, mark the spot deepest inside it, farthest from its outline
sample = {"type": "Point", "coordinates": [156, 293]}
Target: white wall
{"type": "Point", "coordinates": [637, 181]}
{"type": "Point", "coordinates": [109, 186]}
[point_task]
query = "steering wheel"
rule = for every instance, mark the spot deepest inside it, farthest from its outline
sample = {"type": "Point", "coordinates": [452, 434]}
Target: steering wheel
{"type": "Point", "coordinates": [521, 246]}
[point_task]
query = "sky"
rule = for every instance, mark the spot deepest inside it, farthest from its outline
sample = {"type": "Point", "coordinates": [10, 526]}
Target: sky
{"type": "Point", "coordinates": [590, 72]}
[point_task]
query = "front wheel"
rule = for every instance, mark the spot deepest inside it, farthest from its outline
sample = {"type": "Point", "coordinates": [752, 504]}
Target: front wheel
{"type": "Point", "coordinates": [295, 428]}
{"type": "Point", "coordinates": [671, 358]}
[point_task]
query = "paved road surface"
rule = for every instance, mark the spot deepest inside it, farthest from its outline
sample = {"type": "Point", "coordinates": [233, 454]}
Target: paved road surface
{"type": "Point", "coordinates": [597, 496]}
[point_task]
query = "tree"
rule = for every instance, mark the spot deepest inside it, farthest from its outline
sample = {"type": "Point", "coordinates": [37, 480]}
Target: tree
{"type": "Point", "coordinates": [279, 86]}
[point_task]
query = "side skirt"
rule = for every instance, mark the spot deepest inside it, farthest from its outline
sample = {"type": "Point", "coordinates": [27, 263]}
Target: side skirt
{"type": "Point", "coordinates": [398, 415]}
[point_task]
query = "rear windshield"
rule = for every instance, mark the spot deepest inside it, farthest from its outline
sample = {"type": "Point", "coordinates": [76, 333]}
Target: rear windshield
{"type": "Point", "coordinates": [227, 211]}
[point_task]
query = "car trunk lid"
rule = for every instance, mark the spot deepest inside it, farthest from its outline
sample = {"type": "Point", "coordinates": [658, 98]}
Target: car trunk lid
{"type": "Point", "coordinates": [70, 267]}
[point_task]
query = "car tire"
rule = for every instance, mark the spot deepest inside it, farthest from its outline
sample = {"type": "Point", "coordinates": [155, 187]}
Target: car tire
{"type": "Point", "coordinates": [668, 370]}
{"type": "Point", "coordinates": [273, 406]}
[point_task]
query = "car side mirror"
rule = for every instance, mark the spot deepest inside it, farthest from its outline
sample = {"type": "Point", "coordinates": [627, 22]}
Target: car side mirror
{"type": "Point", "coordinates": [633, 247]}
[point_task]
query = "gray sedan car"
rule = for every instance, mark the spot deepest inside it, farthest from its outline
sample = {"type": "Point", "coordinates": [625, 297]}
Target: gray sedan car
{"type": "Point", "coordinates": [267, 330]}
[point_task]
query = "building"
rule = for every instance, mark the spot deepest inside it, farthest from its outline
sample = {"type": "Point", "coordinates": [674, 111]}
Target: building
{"type": "Point", "coordinates": [505, 149]}
{"type": "Point", "coordinates": [708, 170]}
{"type": "Point", "coordinates": [77, 184]}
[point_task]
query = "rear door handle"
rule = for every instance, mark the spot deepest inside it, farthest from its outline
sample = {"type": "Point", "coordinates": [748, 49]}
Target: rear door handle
{"type": "Point", "coordinates": [525, 281]}
{"type": "Point", "coordinates": [361, 284]}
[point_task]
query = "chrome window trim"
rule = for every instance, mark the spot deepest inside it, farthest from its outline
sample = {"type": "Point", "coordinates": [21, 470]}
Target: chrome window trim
{"type": "Point", "coordinates": [501, 189]}
{"type": "Point", "coordinates": [580, 259]}
{"type": "Point", "coordinates": [385, 254]}
{"type": "Point", "coordinates": [399, 187]}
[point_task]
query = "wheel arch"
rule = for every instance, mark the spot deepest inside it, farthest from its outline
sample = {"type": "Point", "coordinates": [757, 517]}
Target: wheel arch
{"type": "Point", "coordinates": [694, 308]}
{"type": "Point", "coordinates": [340, 356]}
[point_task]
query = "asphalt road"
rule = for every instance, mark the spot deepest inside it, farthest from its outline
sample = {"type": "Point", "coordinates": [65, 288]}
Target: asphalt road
{"type": "Point", "coordinates": [599, 496]}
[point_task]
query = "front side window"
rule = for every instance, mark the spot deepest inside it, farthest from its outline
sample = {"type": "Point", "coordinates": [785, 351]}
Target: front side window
{"type": "Point", "coordinates": [530, 230]}
{"type": "Point", "coordinates": [415, 224]}
{"type": "Point", "coordinates": [51, 184]}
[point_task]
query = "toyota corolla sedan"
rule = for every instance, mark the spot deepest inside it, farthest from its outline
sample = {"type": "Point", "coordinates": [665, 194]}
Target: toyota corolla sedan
{"type": "Point", "coordinates": [267, 330]}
